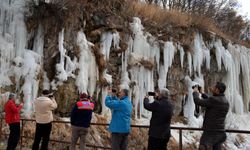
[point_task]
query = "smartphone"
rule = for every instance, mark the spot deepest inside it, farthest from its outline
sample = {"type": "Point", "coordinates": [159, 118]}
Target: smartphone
{"type": "Point", "coordinates": [151, 93]}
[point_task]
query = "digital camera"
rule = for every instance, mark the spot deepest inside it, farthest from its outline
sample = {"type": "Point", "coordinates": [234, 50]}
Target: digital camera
{"type": "Point", "coordinates": [114, 90]}
{"type": "Point", "coordinates": [198, 86]}
{"type": "Point", "coordinates": [51, 95]}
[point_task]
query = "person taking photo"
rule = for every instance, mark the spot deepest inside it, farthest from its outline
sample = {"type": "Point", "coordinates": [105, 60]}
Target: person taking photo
{"type": "Point", "coordinates": [159, 128]}
{"type": "Point", "coordinates": [216, 109]}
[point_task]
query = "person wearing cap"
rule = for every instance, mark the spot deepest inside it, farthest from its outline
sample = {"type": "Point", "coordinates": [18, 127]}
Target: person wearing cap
{"type": "Point", "coordinates": [80, 119]}
{"type": "Point", "coordinates": [12, 118]}
{"type": "Point", "coordinates": [217, 107]}
{"type": "Point", "coordinates": [119, 126]}
{"type": "Point", "coordinates": [43, 106]}
{"type": "Point", "coordinates": [159, 128]}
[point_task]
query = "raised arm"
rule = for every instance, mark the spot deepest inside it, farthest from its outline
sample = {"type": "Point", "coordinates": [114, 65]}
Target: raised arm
{"type": "Point", "coordinates": [15, 108]}
{"type": "Point", "coordinates": [53, 105]}
{"type": "Point", "coordinates": [205, 101]}
{"type": "Point", "coordinates": [150, 106]}
{"type": "Point", "coordinates": [113, 102]}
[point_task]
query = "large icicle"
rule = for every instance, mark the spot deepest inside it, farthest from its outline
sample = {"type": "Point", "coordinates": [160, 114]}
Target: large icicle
{"type": "Point", "coordinates": [232, 65]}
{"type": "Point", "coordinates": [63, 71]}
{"type": "Point", "coordinates": [169, 52]}
{"type": "Point", "coordinates": [182, 54]}
{"type": "Point", "coordinates": [245, 65]}
{"type": "Point", "coordinates": [189, 106]}
{"type": "Point", "coordinates": [31, 68]}
{"type": "Point", "coordinates": [201, 53]}
{"type": "Point", "coordinates": [39, 41]}
{"type": "Point", "coordinates": [12, 36]}
{"type": "Point", "coordinates": [106, 42]}
{"type": "Point", "coordinates": [88, 73]}
{"type": "Point", "coordinates": [141, 49]}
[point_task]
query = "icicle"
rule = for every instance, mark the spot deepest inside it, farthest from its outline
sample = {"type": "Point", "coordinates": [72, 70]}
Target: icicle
{"type": "Point", "coordinates": [182, 54]}
{"type": "Point", "coordinates": [64, 70]}
{"type": "Point", "coordinates": [20, 35]}
{"type": "Point", "coordinates": [124, 76]}
{"type": "Point", "coordinates": [244, 62]}
{"type": "Point", "coordinates": [16, 70]}
{"type": "Point", "coordinates": [12, 37]}
{"type": "Point", "coordinates": [106, 41]}
{"type": "Point", "coordinates": [207, 57]}
{"type": "Point", "coordinates": [199, 48]}
{"type": "Point", "coordinates": [189, 57]}
{"type": "Point", "coordinates": [31, 69]}
{"type": "Point", "coordinates": [39, 41]}
{"type": "Point", "coordinates": [61, 73]}
{"type": "Point", "coordinates": [116, 40]}
{"type": "Point", "coordinates": [105, 110]}
{"type": "Point", "coordinates": [219, 48]}
{"type": "Point", "coordinates": [232, 78]}
{"type": "Point", "coordinates": [169, 52]}
{"type": "Point", "coordinates": [156, 49]}
{"type": "Point", "coordinates": [107, 77]}
{"type": "Point", "coordinates": [189, 106]}
{"type": "Point", "coordinates": [93, 74]}
{"type": "Point", "coordinates": [46, 82]}
{"type": "Point", "coordinates": [88, 74]}
{"type": "Point", "coordinates": [143, 47]}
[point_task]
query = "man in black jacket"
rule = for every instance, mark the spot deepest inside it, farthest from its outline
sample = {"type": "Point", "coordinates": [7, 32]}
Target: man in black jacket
{"type": "Point", "coordinates": [80, 119]}
{"type": "Point", "coordinates": [214, 121]}
{"type": "Point", "coordinates": [159, 129]}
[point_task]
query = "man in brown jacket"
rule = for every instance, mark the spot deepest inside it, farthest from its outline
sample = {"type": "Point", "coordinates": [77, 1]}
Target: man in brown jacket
{"type": "Point", "coordinates": [43, 105]}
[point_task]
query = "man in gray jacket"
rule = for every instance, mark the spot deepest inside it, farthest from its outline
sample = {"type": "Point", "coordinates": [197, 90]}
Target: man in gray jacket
{"type": "Point", "coordinates": [214, 121]}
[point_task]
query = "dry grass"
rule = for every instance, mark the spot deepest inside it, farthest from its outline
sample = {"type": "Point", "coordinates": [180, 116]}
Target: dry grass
{"type": "Point", "coordinates": [156, 14]}
{"type": "Point", "coordinates": [161, 18]}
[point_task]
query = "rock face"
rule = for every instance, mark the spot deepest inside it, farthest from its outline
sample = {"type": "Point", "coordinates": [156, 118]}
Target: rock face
{"type": "Point", "coordinates": [119, 46]}
{"type": "Point", "coordinates": [88, 46]}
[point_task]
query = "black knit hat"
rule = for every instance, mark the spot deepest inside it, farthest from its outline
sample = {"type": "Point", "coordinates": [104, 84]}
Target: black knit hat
{"type": "Point", "coordinates": [46, 92]}
{"type": "Point", "coordinates": [11, 96]}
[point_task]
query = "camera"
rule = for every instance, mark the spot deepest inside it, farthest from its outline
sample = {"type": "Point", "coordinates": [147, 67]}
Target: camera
{"type": "Point", "coordinates": [198, 86]}
{"type": "Point", "coordinates": [151, 93]}
{"type": "Point", "coordinates": [51, 95]}
{"type": "Point", "coordinates": [114, 90]}
{"type": "Point", "coordinates": [195, 86]}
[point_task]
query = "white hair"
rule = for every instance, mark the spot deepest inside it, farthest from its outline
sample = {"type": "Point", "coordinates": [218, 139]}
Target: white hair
{"type": "Point", "coordinates": [164, 92]}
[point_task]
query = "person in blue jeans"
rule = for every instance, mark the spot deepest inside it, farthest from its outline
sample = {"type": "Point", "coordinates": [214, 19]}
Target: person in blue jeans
{"type": "Point", "coordinates": [121, 108]}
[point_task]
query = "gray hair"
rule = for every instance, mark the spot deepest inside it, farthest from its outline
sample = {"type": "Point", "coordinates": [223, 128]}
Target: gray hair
{"type": "Point", "coordinates": [164, 92]}
{"type": "Point", "coordinates": [125, 91]}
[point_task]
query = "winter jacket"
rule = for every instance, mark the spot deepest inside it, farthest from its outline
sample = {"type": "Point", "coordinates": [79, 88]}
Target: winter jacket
{"type": "Point", "coordinates": [12, 112]}
{"type": "Point", "coordinates": [43, 109]}
{"type": "Point", "coordinates": [217, 107]}
{"type": "Point", "coordinates": [81, 114]}
{"type": "Point", "coordinates": [162, 111]}
{"type": "Point", "coordinates": [121, 114]}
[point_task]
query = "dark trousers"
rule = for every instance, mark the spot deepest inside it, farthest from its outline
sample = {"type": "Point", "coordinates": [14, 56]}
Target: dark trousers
{"type": "Point", "coordinates": [14, 135]}
{"type": "Point", "coordinates": [119, 141]}
{"type": "Point", "coordinates": [42, 133]}
{"type": "Point", "coordinates": [212, 140]}
{"type": "Point", "coordinates": [157, 144]}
